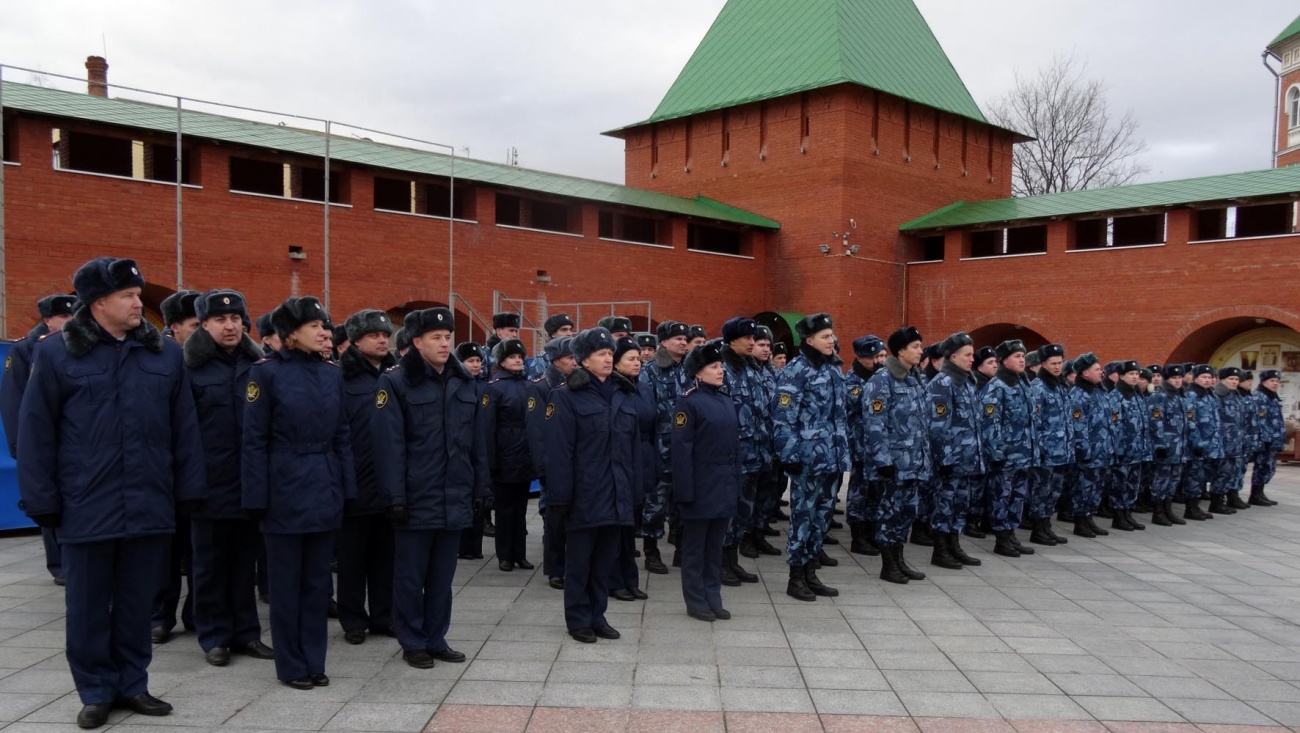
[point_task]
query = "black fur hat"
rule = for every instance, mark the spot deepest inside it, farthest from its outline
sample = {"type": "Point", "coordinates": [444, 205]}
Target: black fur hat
{"type": "Point", "coordinates": [104, 276]}
{"type": "Point", "coordinates": [467, 350]}
{"type": "Point", "coordinates": [179, 306]}
{"type": "Point", "coordinates": [763, 333]}
{"type": "Point", "coordinates": [264, 327]}
{"type": "Point", "coordinates": [590, 341]}
{"type": "Point", "coordinates": [1202, 369]}
{"type": "Point", "coordinates": [931, 352]}
{"type": "Point", "coordinates": [508, 347]}
{"type": "Point", "coordinates": [367, 321]}
{"type": "Point", "coordinates": [1125, 367]}
{"type": "Point", "coordinates": [866, 346]}
{"type": "Point", "coordinates": [1067, 368]}
{"type": "Point", "coordinates": [983, 354]}
{"type": "Point", "coordinates": [339, 334]}
{"type": "Point", "coordinates": [809, 325]}
{"type": "Point", "coordinates": [1226, 372]}
{"type": "Point", "coordinates": [738, 327]}
{"type": "Point", "coordinates": [779, 347]}
{"type": "Point", "coordinates": [646, 341]}
{"type": "Point", "coordinates": [1031, 358]}
{"type": "Point", "coordinates": [1173, 370]}
{"type": "Point", "coordinates": [556, 322]}
{"type": "Point", "coordinates": [1145, 374]}
{"type": "Point", "coordinates": [505, 320]}
{"type": "Point", "coordinates": [1111, 367]}
{"type": "Point", "coordinates": [559, 348]}
{"type": "Point", "coordinates": [1084, 362]}
{"type": "Point", "coordinates": [671, 329]}
{"type": "Point", "coordinates": [1247, 375]}
{"type": "Point", "coordinates": [1268, 374]}
{"type": "Point", "coordinates": [294, 313]}
{"type": "Point", "coordinates": [954, 343]}
{"type": "Point", "coordinates": [624, 345]}
{"type": "Point", "coordinates": [1009, 347]}
{"type": "Point", "coordinates": [700, 357]}
{"type": "Point", "coordinates": [220, 303]}
{"type": "Point", "coordinates": [696, 332]}
{"type": "Point", "coordinates": [614, 324]}
{"type": "Point", "coordinates": [418, 323]}
{"type": "Point", "coordinates": [899, 339]}
{"type": "Point", "coordinates": [401, 341]}
{"type": "Point", "coordinates": [1047, 351]}
{"type": "Point", "coordinates": [1154, 368]}
{"type": "Point", "coordinates": [57, 305]}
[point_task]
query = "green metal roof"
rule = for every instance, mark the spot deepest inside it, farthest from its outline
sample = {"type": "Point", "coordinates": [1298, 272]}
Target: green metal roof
{"type": "Point", "coordinates": [1251, 184]}
{"type": "Point", "coordinates": [763, 49]}
{"type": "Point", "coordinates": [1290, 31]}
{"type": "Point", "coordinates": [140, 115]}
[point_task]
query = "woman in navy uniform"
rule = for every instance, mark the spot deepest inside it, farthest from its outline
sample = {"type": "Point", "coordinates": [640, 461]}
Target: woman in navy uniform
{"type": "Point", "coordinates": [506, 403]}
{"type": "Point", "coordinates": [706, 479]}
{"type": "Point", "coordinates": [626, 580]}
{"type": "Point", "coordinates": [592, 476]}
{"type": "Point", "coordinates": [470, 355]}
{"type": "Point", "coordinates": [297, 474]}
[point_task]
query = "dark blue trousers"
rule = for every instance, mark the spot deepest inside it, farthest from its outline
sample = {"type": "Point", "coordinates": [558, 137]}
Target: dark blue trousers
{"type": "Point", "coordinates": [590, 555]}
{"type": "Point", "coordinates": [364, 549]}
{"type": "Point", "coordinates": [168, 598]}
{"type": "Point", "coordinates": [298, 569]}
{"type": "Point", "coordinates": [702, 563]}
{"type": "Point", "coordinates": [426, 565]}
{"type": "Point", "coordinates": [624, 573]}
{"type": "Point", "coordinates": [224, 562]}
{"type": "Point", "coordinates": [511, 502]}
{"type": "Point", "coordinates": [554, 535]}
{"type": "Point", "coordinates": [53, 555]}
{"type": "Point", "coordinates": [109, 597]}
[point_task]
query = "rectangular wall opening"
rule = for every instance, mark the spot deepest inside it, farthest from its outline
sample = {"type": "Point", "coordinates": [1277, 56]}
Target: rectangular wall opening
{"type": "Point", "coordinates": [436, 199]}
{"type": "Point", "coordinates": [1119, 231]}
{"type": "Point", "coordinates": [258, 176]}
{"type": "Point", "coordinates": [9, 153]}
{"type": "Point", "coordinates": [309, 184]}
{"type": "Point", "coordinates": [1236, 222]}
{"type": "Point", "coordinates": [1011, 241]}
{"type": "Point", "coordinates": [715, 239]}
{"type": "Point", "coordinates": [90, 153]}
{"type": "Point", "coordinates": [629, 228]}
{"type": "Point", "coordinates": [392, 194]}
{"type": "Point", "coordinates": [508, 210]}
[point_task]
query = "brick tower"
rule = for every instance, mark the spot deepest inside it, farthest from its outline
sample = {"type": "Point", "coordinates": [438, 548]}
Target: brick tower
{"type": "Point", "coordinates": [1286, 48]}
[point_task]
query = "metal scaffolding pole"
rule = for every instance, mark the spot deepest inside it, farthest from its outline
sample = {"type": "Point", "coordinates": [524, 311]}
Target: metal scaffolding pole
{"type": "Point", "coordinates": [180, 281]}
{"type": "Point", "coordinates": [326, 196]}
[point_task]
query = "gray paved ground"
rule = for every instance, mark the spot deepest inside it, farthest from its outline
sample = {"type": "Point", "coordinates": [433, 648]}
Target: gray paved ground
{"type": "Point", "coordinates": [1195, 624]}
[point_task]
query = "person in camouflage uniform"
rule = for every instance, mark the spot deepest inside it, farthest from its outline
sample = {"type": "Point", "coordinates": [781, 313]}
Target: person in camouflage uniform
{"type": "Point", "coordinates": [1055, 443]}
{"type": "Point", "coordinates": [811, 442]}
{"type": "Point", "coordinates": [1007, 429]}
{"type": "Point", "coordinates": [955, 449]}
{"type": "Point", "coordinates": [863, 496]}
{"type": "Point", "coordinates": [1232, 427]}
{"type": "Point", "coordinates": [986, 365]}
{"type": "Point", "coordinates": [665, 382]}
{"type": "Point", "coordinates": [1250, 436]}
{"type": "Point", "coordinates": [557, 326]}
{"type": "Point", "coordinates": [1131, 436]}
{"type": "Point", "coordinates": [771, 482]}
{"type": "Point", "coordinates": [897, 448]}
{"type": "Point", "coordinates": [1168, 411]}
{"type": "Point", "coordinates": [1272, 435]}
{"type": "Point", "coordinates": [1094, 443]}
{"type": "Point", "coordinates": [742, 379]}
{"type": "Point", "coordinates": [1203, 439]}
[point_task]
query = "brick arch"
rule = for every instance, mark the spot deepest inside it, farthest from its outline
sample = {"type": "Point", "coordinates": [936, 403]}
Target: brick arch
{"type": "Point", "coordinates": [152, 296]}
{"type": "Point", "coordinates": [466, 329]}
{"type": "Point", "coordinates": [997, 327]}
{"type": "Point", "coordinates": [1199, 337]}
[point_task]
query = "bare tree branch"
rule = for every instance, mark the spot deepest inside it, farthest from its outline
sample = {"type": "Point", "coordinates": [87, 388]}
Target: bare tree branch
{"type": "Point", "coordinates": [1078, 144]}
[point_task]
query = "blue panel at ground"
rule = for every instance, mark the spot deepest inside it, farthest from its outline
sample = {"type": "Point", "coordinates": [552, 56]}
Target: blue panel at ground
{"type": "Point", "coordinates": [11, 517]}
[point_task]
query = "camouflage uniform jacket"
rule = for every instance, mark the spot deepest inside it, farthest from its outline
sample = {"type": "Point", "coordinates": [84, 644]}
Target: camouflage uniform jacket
{"type": "Point", "coordinates": [743, 380]}
{"type": "Point", "coordinates": [1006, 421]}
{"type": "Point", "coordinates": [897, 422]}
{"type": "Point", "coordinates": [954, 422]}
{"type": "Point", "coordinates": [809, 426]}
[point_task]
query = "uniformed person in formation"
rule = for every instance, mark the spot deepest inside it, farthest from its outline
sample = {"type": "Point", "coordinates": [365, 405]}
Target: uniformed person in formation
{"type": "Point", "coordinates": [771, 482]}
{"type": "Point", "coordinates": [696, 336]}
{"type": "Point", "coordinates": [810, 439]}
{"type": "Point", "coordinates": [1272, 435]}
{"type": "Point", "coordinates": [401, 342]}
{"type": "Point", "coordinates": [780, 355]}
{"type": "Point", "coordinates": [266, 335]}
{"type": "Point", "coordinates": [297, 474]}
{"type": "Point", "coordinates": [470, 355]}
{"type": "Point", "coordinates": [665, 382]}
{"type": "Point", "coordinates": [557, 326]}
{"type": "Point", "coordinates": [179, 315]}
{"type": "Point", "coordinates": [511, 461]}
{"type": "Point", "coordinates": [220, 358]}
{"type": "Point", "coordinates": [743, 383]}
{"type": "Point", "coordinates": [593, 467]}
{"type": "Point", "coordinates": [986, 365]}
{"type": "Point", "coordinates": [1094, 442]}
{"type": "Point", "coordinates": [646, 345]}
{"type": "Point", "coordinates": [1054, 443]}
{"type": "Point", "coordinates": [707, 476]}
{"type": "Point", "coordinates": [1007, 429]}
{"type": "Point", "coordinates": [956, 450]}
{"type": "Point", "coordinates": [54, 310]}
{"type": "Point", "coordinates": [1131, 435]}
{"type": "Point", "coordinates": [109, 474]}
{"type": "Point", "coordinates": [1203, 440]}
{"type": "Point", "coordinates": [896, 448]}
{"type": "Point", "coordinates": [560, 366]}
{"type": "Point", "coordinates": [1168, 410]}
{"type": "Point", "coordinates": [625, 585]}
{"type": "Point", "coordinates": [431, 459]}
{"type": "Point", "coordinates": [1232, 432]}
{"type": "Point", "coordinates": [365, 541]}
{"type": "Point", "coordinates": [505, 326]}
{"type": "Point", "coordinates": [863, 496]}
{"type": "Point", "coordinates": [618, 326]}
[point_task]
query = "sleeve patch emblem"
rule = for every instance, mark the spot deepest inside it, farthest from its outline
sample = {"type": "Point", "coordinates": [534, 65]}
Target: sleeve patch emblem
{"type": "Point", "coordinates": [486, 400]}
{"type": "Point", "coordinates": [1077, 414]}
{"type": "Point", "coordinates": [989, 410]}
{"type": "Point", "coordinates": [532, 404]}
{"type": "Point", "coordinates": [1114, 417]}
{"type": "Point", "coordinates": [855, 391]}
{"type": "Point", "coordinates": [785, 400]}
{"type": "Point", "coordinates": [877, 407]}
{"type": "Point", "coordinates": [381, 399]}
{"type": "Point", "coordinates": [253, 392]}
{"type": "Point", "coordinates": [1156, 413]}
{"type": "Point", "coordinates": [680, 420]}
{"type": "Point", "coordinates": [550, 410]}
{"type": "Point", "coordinates": [1191, 414]}
{"type": "Point", "coordinates": [941, 409]}
{"type": "Point", "coordinates": [1261, 413]}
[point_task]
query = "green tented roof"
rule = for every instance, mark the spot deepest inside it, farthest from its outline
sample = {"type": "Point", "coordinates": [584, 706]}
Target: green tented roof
{"type": "Point", "coordinates": [763, 49]}
{"type": "Point", "coordinates": [1290, 31]}
{"type": "Point", "coordinates": [1251, 184]}
{"type": "Point", "coordinates": [56, 103]}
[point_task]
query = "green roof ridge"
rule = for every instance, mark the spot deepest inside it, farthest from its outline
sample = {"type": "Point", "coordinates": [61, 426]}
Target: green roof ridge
{"type": "Point", "coordinates": [1267, 182]}
{"type": "Point", "coordinates": [159, 118]}
{"type": "Point", "coordinates": [1290, 31]}
{"type": "Point", "coordinates": [764, 49]}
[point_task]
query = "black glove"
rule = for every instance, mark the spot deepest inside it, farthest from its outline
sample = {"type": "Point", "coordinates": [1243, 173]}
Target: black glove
{"type": "Point", "coordinates": [397, 514]}
{"type": "Point", "coordinates": [995, 466]}
{"type": "Point", "coordinates": [793, 469]}
{"type": "Point", "coordinates": [561, 511]}
{"type": "Point", "coordinates": [256, 515]}
{"type": "Point", "coordinates": [187, 507]}
{"type": "Point", "coordinates": [945, 471]}
{"type": "Point", "coordinates": [1198, 452]}
{"type": "Point", "coordinates": [479, 504]}
{"type": "Point", "coordinates": [48, 521]}
{"type": "Point", "coordinates": [1162, 453]}
{"type": "Point", "coordinates": [888, 473]}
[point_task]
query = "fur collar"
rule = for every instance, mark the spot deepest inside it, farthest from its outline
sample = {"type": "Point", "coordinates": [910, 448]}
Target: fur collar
{"type": "Point", "coordinates": [1049, 379]}
{"type": "Point", "coordinates": [663, 359]}
{"type": "Point", "coordinates": [82, 333]}
{"type": "Point", "coordinates": [499, 374]}
{"type": "Point", "coordinates": [554, 377]}
{"type": "Point", "coordinates": [1125, 390]}
{"type": "Point", "coordinates": [1008, 377]}
{"type": "Point", "coordinates": [959, 376]}
{"type": "Point", "coordinates": [737, 362]}
{"type": "Point", "coordinates": [416, 369]}
{"type": "Point", "coordinates": [1198, 390]}
{"type": "Point", "coordinates": [863, 373]}
{"type": "Point", "coordinates": [200, 348]}
{"type": "Point", "coordinates": [1170, 389]}
{"type": "Point", "coordinates": [354, 363]}
{"type": "Point", "coordinates": [582, 379]}
{"type": "Point", "coordinates": [1268, 393]}
{"type": "Point", "coordinates": [896, 368]}
{"type": "Point", "coordinates": [1221, 390]}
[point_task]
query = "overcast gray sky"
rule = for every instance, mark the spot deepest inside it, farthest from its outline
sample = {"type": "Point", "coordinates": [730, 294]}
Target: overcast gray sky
{"type": "Point", "coordinates": [546, 76]}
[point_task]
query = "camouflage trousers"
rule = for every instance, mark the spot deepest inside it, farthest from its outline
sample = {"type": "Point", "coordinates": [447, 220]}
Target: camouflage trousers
{"type": "Point", "coordinates": [656, 508]}
{"type": "Point", "coordinates": [1045, 485]}
{"type": "Point", "coordinates": [742, 522]}
{"type": "Point", "coordinates": [1165, 479]}
{"type": "Point", "coordinates": [925, 500]}
{"type": "Point", "coordinates": [950, 498]}
{"type": "Point", "coordinates": [979, 498]}
{"type": "Point", "coordinates": [1226, 477]}
{"type": "Point", "coordinates": [811, 498]}
{"type": "Point", "coordinates": [898, 501]}
{"type": "Point", "coordinates": [1123, 485]}
{"type": "Point", "coordinates": [767, 497]}
{"type": "Point", "coordinates": [863, 498]}
{"type": "Point", "coordinates": [1196, 474]}
{"type": "Point", "coordinates": [1086, 491]}
{"type": "Point", "coordinates": [1008, 490]}
{"type": "Point", "coordinates": [1265, 467]}
{"type": "Point", "coordinates": [1148, 476]}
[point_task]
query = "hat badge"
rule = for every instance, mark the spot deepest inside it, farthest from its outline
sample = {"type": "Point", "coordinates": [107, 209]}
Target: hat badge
{"type": "Point", "coordinates": [225, 301]}
{"type": "Point", "coordinates": [318, 306]}
{"type": "Point", "coordinates": [439, 316]}
{"type": "Point", "coordinates": [134, 271]}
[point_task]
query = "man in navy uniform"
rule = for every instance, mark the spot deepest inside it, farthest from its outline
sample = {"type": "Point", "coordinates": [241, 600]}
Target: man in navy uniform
{"type": "Point", "coordinates": [560, 365]}
{"type": "Point", "coordinates": [266, 334]}
{"type": "Point", "coordinates": [647, 343]}
{"type": "Point", "coordinates": [505, 326]}
{"type": "Point", "coordinates": [55, 310]}
{"type": "Point", "coordinates": [557, 326]}
{"type": "Point", "coordinates": [432, 462]}
{"type": "Point", "coordinates": [108, 447]}
{"type": "Point", "coordinates": [618, 326]}
{"type": "Point", "coordinates": [179, 315]}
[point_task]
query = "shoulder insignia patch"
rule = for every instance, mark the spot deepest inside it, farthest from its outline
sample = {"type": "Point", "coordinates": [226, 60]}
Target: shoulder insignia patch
{"type": "Point", "coordinates": [381, 399]}
{"type": "Point", "coordinates": [680, 420]}
{"type": "Point", "coordinates": [1261, 413]}
{"type": "Point", "coordinates": [877, 407]}
{"type": "Point", "coordinates": [550, 410]}
{"type": "Point", "coordinates": [43, 336]}
{"type": "Point", "coordinates": [532, 404]}
{"type": "Point", "coordinates": [1114, 417]}
{"type": "Point", "coordinates": [856, 391]}
{"type": "Point", "coordinates": [941, 409]}
{"type": "Point", "coordinates": [253, 392]}
{"type": "Point", "coordinates": [1156, 413]}
{"type": "Point", "coordinates": [486, 400]}
{"type": "Point", "coordinates": [785, 400]}
{"type": "Point", "coordinates": [1191, 414]}
{"type": "Point", "coordinates": [1077, 414]}
{"type": "Point", "coordinates": [990, 409]}
{"type": "Point", "coordinates": [1038, 409]}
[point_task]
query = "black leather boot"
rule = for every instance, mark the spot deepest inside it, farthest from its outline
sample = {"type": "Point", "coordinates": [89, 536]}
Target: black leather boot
{"type": "Point", "coordinates": [1128, 514]}
{"type": "Point", "coordinates": [1234, 500]}
{"type": "Point", "coordinates": [1257, 497]}
{"type": "Point", "coordinates": [1047, 524]}
{"type": "Point", "coordinates": [861, 545]}
{"type": "Point", "coordinates": [653, 562]}
{"type": "Point", "coordinates": [941, 556]}
{"type": "Point", "coordinates": [911, 572]}
{"type": "Point", "coordinates": [1120, 521]}
{"type": "Point", "coordinates": [763, 546]}
{"type": "Point", "coordinates": [797, 587]}
{"type": "Point", "coordinates": [1015, 540]}
{"type": "Point", "coordinates": [954, 546]}
{"type": "Point", "coordinates": [1082, 529]}
{"type": "Point", "coordinates": [1192, 511]}
{"type": "Point", "coordinates": [816, 585]}
{"type": "Point", "coordinates": [1003, 546]}
{"type": "Point", "coordinates": [1158, 517]}
{"type": "Point", "coordinates": [973, 529]}
{"type": "Point", "coordinates": [1219, 505]}
{"type": "Point", "coordinates": [1092, 524]}
{"type": "Point", "coordinates": [1170, 514]}
{"type": "Point", "coordinates": [921, 535]}
{"type": "Point", "coordinates": [731, 556]}
{"type": "Point", "coordinates": [889, 570]}
{"type": "Point", "coordinates": [747, 548]}
{"type": "Point", "coordinates": [825, 560]}
{"type": "Point", "coordinates": [1041, 534]}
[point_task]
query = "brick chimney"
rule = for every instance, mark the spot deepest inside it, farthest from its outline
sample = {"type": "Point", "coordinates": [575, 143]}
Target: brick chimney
{"type": "Point", "coordinates": [97, 76]}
